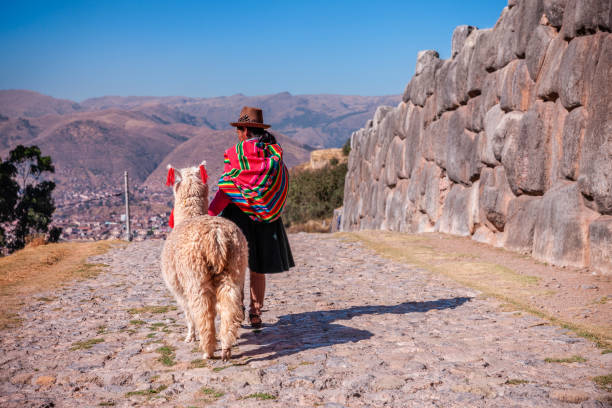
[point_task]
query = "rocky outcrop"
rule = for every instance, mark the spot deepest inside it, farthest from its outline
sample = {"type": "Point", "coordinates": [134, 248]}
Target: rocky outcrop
{"type": "Point", "coordinates": [508, 142]}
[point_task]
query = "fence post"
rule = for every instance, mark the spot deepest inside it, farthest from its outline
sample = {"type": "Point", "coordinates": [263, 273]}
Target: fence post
{"type": "Point", "coordinates": [128, 233]}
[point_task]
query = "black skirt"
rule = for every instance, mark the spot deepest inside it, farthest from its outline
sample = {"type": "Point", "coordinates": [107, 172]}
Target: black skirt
{"type": "Point", "coordinates": [269, 250]}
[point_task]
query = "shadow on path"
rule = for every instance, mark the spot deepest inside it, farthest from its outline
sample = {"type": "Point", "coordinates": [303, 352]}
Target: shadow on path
{"type": "Point", "coordinates": [297, 332]}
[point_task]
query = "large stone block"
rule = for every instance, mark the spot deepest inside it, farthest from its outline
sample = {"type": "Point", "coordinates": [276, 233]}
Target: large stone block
{"type": "Point", "coordinates": [573, 136]}
{"type": "Point", "coordinates": [553, 9]}
{"type": "Point", "coordinates": [505, 36]}
{"type": "Point", "coordinates": [584, 17]}
{"type": "Point", "coordinates": [394, 164]}
{"type": "Point", "coordinates": [556, 144]}
{"type": "Point", "coordinates": [462, 160]}
{"type": "Point", "coordinates": [461, 66]}
{"type": "Point", "coordinates": [561, 229]}
{"type": "Point", "coordinates": [577, 69]}
{"type": "Point", "coordinates": [476, 114]}
{"type": "Point", "coordinates": [457, 213]}
{"type": "Point", "coordinates": [517, 88]}
{"type": "Point", "coordinates": [446, 87]}
{"type": "Point", "coordinates": [434, 147]}
{"type": "Point", "coordinates": [520, 223]}
{"type": "Point", "coordinates": [412, 145]}
{"type": "Point", "coordinates": [526, 153]}
{"type": "Point", "coordinates": [380, 114]}
{"type": "Point", "coordinates": [370, 138]}
{"type": "Point", "coordinates": [495, 195]}
{"type": "Point", "coordinates": [536, 49]}
{"type": "Point", "coordinates": [423, 84]}
{"type": "Point", "coordinates": [460, 34]}
{"type": "Point", "coordinates": [385, 133]}
{"type": "Point", "coordinates": [498, 128]}
{"type": "Point", "coordinates": [426, 61]}
{"type": "Point", "coordinates": [416, 187]}
{"type": "Point", "coordinates": [600, 244]}
{"type": "Point", "coordinates": [548, 84]}
{"type": "Point", "coordinates": [395, 211]}
{"type": "Point", "coordinates": [436, 187]}
{"type": "Point", "coordinates": [398, 117]}
{"type": "Point", "coordinates": [492, 90]}
{"type": "Point", "coordinates": [430, 110]}
{"type": "Point", "coordinates": [596, 158]}
{"type": "Point", "coordinates": [528, 18]}
{"type": "Point", "coordinates": [481, 62]}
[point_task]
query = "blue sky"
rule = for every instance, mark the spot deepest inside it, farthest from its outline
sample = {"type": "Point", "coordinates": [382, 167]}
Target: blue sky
{"type": "Point", "coordinates": [81, 49]}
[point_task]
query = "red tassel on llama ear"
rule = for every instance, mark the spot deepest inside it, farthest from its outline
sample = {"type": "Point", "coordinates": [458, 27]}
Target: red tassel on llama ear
{"type": "Point", "coordinates": [203, 173]}
{"type": "Point", "coordinates": [170, 178]}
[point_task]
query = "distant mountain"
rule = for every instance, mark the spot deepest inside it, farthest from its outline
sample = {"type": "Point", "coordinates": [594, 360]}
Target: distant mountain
{"type": "Point", "coordinates": [94, 142]}
{"type": "Point", "coordinates": [315, 120]}
{"type": "Point", "coordinates": [15, 103]}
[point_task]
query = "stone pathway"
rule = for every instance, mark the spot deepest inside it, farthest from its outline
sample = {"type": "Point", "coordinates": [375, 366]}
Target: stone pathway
{"type": "Point", "coordinates": [344, 328]}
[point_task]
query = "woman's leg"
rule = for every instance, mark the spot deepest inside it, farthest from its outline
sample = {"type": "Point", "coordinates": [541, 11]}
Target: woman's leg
{"type": "Point", "coordinates": [258, 291]}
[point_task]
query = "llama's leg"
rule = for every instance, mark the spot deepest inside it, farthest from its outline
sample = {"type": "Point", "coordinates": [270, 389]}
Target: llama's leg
{"type": "Point", "coordinates": [229, 296]}
{"type": "Point", "coordinates": [190, 329]}
{"type": "Point", "coordinates": [203, 312]}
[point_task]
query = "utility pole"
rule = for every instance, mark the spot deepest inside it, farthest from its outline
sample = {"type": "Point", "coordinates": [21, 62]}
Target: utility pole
{"type": "Point", "coordinates": [128, 233]}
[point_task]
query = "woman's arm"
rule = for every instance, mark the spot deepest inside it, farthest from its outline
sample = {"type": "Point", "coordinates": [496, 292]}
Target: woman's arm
{"type": "Point", "coordinates": [218, 203]}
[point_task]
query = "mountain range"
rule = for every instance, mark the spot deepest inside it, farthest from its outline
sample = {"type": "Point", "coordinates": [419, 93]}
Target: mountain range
{"type": "Point", "coordinates": [93, 142]}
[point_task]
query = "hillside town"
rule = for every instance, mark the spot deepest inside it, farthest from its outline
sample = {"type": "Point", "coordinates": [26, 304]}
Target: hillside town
{"type": "Point", "coordinates": [98, 215]}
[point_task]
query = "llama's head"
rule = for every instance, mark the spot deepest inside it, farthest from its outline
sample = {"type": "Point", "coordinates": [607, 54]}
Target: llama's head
{"type": "Point", "coordinates": [190, 189]}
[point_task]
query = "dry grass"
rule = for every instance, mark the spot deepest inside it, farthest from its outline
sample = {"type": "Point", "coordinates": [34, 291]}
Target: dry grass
{"type": "Point", "coordinates": [429, 252]}
{"type": "Point", "coordinates": [318, 226]}
{"type": "Point", "coordinates": [39, 268]}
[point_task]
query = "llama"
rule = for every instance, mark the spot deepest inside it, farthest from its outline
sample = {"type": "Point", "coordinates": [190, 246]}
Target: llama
{"type": "Point", "coordinates": [203, 263]}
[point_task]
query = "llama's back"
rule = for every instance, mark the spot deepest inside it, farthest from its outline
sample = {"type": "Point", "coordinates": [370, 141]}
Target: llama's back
{"type": "Point", "coordinates": [204, 246]}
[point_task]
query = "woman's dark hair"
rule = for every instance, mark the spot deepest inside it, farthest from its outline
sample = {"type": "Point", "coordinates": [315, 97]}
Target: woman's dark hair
{"type": "Point", "coordinates": [262, 135]}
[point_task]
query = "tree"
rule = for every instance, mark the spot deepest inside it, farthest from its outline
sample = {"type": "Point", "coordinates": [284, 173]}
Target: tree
{"type": "Point", "coordinates": [26, 203]}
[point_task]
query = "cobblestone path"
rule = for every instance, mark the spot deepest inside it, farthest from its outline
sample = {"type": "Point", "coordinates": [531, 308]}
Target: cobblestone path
{"type": "Point", "coordinates": [344, 328]}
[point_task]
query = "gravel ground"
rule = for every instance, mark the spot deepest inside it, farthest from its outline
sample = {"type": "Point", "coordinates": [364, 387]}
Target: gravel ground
{"type": "Point", "coordinates": [343, 328]}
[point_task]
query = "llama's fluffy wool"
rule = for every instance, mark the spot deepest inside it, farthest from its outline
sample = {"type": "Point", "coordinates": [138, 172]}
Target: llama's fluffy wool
{"type": "Point", "coordinates": [203, 263]}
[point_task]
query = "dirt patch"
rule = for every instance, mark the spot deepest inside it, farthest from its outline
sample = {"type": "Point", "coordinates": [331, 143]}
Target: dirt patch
{"type": "Point", "coordinates": [41, 268]}
{"type": "Point", "coordinates": [573, 298]}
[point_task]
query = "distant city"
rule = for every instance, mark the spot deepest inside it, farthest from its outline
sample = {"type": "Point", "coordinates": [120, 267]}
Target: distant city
{"type": "Point", "coordinates": [100, 215]}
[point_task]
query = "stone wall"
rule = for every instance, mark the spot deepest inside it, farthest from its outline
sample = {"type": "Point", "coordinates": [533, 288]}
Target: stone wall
{"type": "Point", "coordinates": [508, 142]}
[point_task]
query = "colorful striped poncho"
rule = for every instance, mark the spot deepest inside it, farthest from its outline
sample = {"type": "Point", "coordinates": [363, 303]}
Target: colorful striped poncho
{"type": "Point", "coordinates": [256, 179]}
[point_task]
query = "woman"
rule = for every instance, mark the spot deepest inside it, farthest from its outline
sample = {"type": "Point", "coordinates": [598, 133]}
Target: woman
{"type": "Point", "coordinates": [252, 193]}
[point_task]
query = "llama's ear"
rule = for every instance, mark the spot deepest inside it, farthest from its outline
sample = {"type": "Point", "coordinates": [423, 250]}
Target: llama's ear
{"type": "Point", "coordinates": [174, 175]}
{"type": "Point", "coordinates": [203, 173]}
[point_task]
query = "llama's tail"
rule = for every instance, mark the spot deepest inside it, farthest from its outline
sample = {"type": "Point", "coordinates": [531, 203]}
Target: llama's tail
{"type": "Point", "coordinates": [220, 249]}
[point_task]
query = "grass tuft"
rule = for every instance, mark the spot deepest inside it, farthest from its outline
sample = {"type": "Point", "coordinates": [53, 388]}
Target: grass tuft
{"type": "Point", "coordinates": [85, 344]}
{"type": "Point", "coordinates": [212, 392]}
{"type": "Point", "coordinates": [604, 381]}
{"type": "Point", "coordinates": [260, 396]}
{"type": "Point", "coordinates": [198, 363]}
{"type": "Point", "coordinates": [150, 392]}
{"type": "Point", "coordinates": [572, 359]}
{"type": "Point", "coordinates": [151, 309]}
{"type": "Point", "coordinates": [516, 381]}
{"type": "Point", "coordinates": [167, 355]}
{"type": "Point", "coordinates": [138, 322]}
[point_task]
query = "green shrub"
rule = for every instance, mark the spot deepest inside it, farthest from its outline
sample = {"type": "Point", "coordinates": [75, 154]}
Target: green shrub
{"type": "Point", "coordinates": [346, 149]}
{"type": "Point", "coordinates": [314, 194]}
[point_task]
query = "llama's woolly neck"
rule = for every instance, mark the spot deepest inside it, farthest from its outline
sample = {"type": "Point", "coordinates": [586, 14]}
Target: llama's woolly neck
{"type": "Point", "coordinates": [190, 207]}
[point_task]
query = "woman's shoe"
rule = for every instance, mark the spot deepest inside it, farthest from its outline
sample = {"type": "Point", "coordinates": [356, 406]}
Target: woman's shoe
{"type": "Point", "coordinates": [255, 320]}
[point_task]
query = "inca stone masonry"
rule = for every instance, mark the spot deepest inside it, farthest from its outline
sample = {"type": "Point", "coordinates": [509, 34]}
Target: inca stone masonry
{"type": "Point", "coordinates": [508, 142]}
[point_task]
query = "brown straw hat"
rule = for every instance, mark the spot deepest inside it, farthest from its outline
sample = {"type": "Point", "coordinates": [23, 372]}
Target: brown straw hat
{"type": "Point", "coordinates": [250, 117]}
